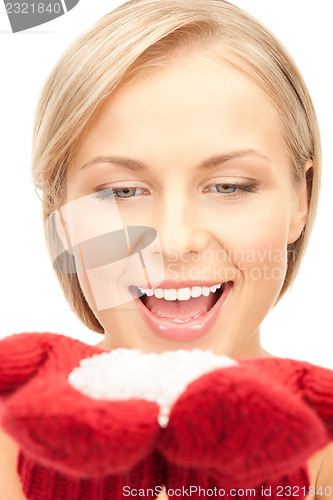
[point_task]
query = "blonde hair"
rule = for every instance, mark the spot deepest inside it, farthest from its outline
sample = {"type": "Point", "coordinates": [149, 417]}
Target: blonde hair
{"type": "Point", "coordinates": [132, 40]}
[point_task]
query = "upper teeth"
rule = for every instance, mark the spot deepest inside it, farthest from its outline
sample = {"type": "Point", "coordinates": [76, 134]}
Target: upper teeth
{"type": "Point", "coordinates": [180, 293]}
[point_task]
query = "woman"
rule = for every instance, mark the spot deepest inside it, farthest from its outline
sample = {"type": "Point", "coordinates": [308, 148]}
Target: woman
{"type": "Point", "coordinates": [190, 120]}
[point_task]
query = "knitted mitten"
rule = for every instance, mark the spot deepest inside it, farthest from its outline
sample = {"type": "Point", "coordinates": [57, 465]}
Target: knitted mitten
{"type": "Point", "coordinates": [66, 437]}
{"type": "Point", "coordinates": [252, 424]}
{"type": "Point", "coordinates": [232, 424]}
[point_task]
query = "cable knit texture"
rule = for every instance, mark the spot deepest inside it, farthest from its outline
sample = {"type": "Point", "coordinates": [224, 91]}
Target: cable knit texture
{"type": "Point", "coordinates": [250, 425]}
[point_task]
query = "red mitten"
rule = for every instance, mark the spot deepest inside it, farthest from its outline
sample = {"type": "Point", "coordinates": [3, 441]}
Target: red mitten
{"type": "Point", "coordinates": [218, 449]}
{"type": "Point", "coordinates": [241, 428]}
{"type": "Point", "coordinates": [20, 358]}
{"type": "Point", "coordinates": [182, 418]}
{"type": "Point", "coordinates": [312, 383]}
{"type": "Point", "coordinates": [60, 428]}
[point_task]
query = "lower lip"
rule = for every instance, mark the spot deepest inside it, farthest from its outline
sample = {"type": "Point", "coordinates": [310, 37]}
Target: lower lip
{"type": "Point", "coordinates": [189, 330]}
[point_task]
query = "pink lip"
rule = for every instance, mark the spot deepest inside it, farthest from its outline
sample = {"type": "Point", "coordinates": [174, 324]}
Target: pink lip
{"type": "Point", "coordinates": [189, 330]}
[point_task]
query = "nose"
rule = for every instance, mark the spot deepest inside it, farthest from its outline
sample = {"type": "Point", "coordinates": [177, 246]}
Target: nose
{"type": "Point", "coordinates": [180, 228]}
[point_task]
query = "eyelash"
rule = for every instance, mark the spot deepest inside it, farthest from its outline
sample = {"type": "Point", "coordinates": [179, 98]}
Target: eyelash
{"type": "Point", "coordinates": [111, 193]}
{"type": "Point", "coordinates": [239, 186]}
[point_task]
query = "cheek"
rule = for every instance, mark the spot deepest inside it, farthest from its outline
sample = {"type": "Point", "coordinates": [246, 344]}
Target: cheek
{"type": "Point", "coordinates": [86, 290]}
{"type": "Point", "coordinates": [255, 242]}
{"type": "Point", "coordinates": [108, 286]}
{"type": "Point", "coordinates": [262, 256]}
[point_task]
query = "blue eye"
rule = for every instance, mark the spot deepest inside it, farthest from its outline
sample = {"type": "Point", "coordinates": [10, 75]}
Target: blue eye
{"type": "Point", "coordinates": [226, 188]}
{"type": "Point", "coordinates": [232, 188]}
{"type": "Point", "coordinates": [125, 192]}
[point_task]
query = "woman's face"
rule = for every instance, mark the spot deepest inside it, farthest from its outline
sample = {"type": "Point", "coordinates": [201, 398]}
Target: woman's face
{"type": "Point", "coordinates": [194, 151]}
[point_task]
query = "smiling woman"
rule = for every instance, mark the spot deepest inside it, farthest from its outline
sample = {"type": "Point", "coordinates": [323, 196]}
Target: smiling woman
{"type": "Point", "coordinates": [211, 178]}
{"type": "Point", "coordinates": [250, 139]}
{"type": "Point", "coordinates": [177, 151]}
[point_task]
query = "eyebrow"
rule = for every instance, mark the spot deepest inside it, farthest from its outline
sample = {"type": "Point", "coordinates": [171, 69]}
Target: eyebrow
{"type": "Point", "coordinates": [137, 165]}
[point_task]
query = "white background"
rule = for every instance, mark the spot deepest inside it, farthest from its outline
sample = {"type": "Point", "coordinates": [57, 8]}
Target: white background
{"type": "Point", "coordinates": [31, 299]}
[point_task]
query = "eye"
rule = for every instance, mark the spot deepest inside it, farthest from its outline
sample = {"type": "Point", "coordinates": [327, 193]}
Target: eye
{"type": "Point", "coordinates": [226, 188]}
{"type": "Point", "coordinates": [231, 188]}
{"type": "Point", "coordinates": [121, 192]}
{"type": "Point", "coordinates": [125, 192]}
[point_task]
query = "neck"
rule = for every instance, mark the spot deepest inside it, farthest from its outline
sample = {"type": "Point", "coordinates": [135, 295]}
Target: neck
{"type": "Point", "coordinates": [252, 348]}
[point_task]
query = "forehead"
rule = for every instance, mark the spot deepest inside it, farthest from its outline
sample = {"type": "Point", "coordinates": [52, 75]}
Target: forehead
{"type": "Point", "coordinates": [197, 104]}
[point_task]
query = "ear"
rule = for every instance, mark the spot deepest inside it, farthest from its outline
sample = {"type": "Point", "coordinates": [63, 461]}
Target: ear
{"type": "Point", "coordinates": [301, 210]}
{"type": "Point", "coordinates": [59, 243]}
{"type": "Point", "coordinates": [62, 230]}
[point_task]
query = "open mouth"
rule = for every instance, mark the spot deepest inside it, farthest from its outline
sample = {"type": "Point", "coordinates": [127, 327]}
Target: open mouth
{"type": "Point", "coordinates": [182, 313]}
{"type": "Point", "coordinates": [183, 304]}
